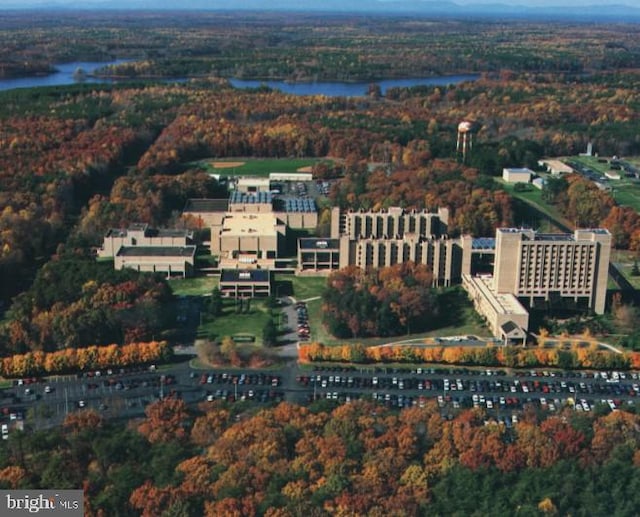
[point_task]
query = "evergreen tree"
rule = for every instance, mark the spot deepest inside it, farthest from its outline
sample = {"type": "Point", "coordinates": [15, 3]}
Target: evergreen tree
{"type": "Point", "coordinates": [215, 304]}
{"type": "Point", "coordinates": [269, 333]}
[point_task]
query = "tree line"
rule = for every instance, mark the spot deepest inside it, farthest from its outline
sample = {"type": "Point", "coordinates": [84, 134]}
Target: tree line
{"type": "Point", "coordinates": [358, 458]}
{"type": "Point", "coordinates": [585, 356]}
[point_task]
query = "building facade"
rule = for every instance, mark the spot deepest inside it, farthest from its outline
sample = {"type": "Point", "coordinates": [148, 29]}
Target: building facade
{"type": "Point", "coordinates": [538, 267]}
{"type": "Point", "coordinates": [141, 235]}
{"type": "Point", "coordinates": [245, 283]}
{"type": "Point", "coordinates": [384, 238]}
{"type": "Point", "coordinates": [169, 260]}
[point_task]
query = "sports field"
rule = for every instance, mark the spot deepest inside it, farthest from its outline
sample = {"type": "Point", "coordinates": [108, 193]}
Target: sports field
{"type": "Point", "coordinates": [256, 166]}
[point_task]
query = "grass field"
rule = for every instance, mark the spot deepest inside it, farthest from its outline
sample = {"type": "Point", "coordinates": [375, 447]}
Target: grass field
{"type": "Point", "coordinates": [301, 288]}
{"type": "Point", "coordinates": [534, 197]}
{"type": "Point", "coordinates": [626, 191]}
{"type": "Point", "coordinates": [624, 260]}
{"type": "Point", "coordinates": [198, 286]}
{"type": "Point", "coordinates": [256, 166]}
{"type": "Point", "coordinates": [231, 323]}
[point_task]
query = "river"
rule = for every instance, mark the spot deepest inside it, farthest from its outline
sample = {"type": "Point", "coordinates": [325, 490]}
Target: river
{"type": "Point", "coordinates": [65, 74]}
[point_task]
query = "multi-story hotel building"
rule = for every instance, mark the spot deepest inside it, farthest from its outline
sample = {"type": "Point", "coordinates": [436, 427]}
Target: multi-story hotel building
{"type": "Point", "coordinates": [535, 266]}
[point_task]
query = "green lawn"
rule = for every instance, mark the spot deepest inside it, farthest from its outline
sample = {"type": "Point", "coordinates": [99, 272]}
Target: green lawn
{"type": "Point", "coordinates": [534, 197]}
{"type": "Point", "coordinates": [626, 191]}
{"type": "Point", "coordinates": [255, 166]}
{"type": "Point", "coordinates": [300, 287]}
{"type": "Point", "coordinates": [197, 286]}
{"type": "Point", "coordinates": [231, 323]}
{"type": "Point", "coordinates": [625, 260]}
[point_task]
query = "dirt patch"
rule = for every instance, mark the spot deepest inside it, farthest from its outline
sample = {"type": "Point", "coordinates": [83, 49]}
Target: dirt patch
{"type": "Point", "coordinates": [308, 168]}
{"type": "Point", "coordinates": [226, 165]}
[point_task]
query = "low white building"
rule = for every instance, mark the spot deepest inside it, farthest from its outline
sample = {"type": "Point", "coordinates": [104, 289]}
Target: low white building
{"type": "Point", "coordinates": [517, 175]}
{"type": "Point", "coordinates": [556, 167]}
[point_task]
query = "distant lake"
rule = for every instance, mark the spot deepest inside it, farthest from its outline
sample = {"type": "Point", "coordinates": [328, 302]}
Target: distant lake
{"type": "Point", "coordinates": [339, 89]}
{"type": "Point", "coordinates": [65, 74]}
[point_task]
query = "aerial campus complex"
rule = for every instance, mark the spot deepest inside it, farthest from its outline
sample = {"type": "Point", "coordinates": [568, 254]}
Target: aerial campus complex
{"type": "Point", "coordinates": [250, 236]}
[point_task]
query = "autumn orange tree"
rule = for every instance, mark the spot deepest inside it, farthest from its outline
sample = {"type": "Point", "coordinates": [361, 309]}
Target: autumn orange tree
{"type": "Point", "coordinates": [166, 420]}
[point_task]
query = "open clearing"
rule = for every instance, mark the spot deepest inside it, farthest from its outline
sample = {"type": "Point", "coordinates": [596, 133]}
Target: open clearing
{"type": "Point", "coordinates": [256, 166]}
{"type": "Point", "coordinates": [226, 165]}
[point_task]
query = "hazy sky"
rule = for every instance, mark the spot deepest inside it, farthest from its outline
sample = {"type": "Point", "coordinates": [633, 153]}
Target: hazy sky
{"type": "Point", "coordinates": [359, 4]}
{"type": "Point", "coordinates": [319, 3]}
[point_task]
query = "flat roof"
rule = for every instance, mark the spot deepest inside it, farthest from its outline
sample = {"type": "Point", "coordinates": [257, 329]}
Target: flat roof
{"type": "Point", "coordinates": [206, 205]}
{"type": "Point", "coordinates": [250, 198]}
{"type": "Point", "coordinates": [483, 243]}
{"type": "Point", "coordinates": [167, 232]}
{"type": "Point", "coordinates": [554, 237]}
{"type": "Point", "coordinates": [148, 232]}
{"type": "Point", "coordinates": [518, 169]}
{"type": "Point", "coordinates": [252, 180]}
{"type": "Point", "coordinates": [503, 303]}
{"type": "Point", "coordinates": [156, 251]}
{"type": "Point", "coordinates": [116, 232]}
{"type": "Point", "coordinates": [313, 243]}
{"type": "Point", "coordinates": [244, 275]}
{"type": "Point", "coordinates": [298, 204]}
{"type": "Point", "coordinates": [243, 224]}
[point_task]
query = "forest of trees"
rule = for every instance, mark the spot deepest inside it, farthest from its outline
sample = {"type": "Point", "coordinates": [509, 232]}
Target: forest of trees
{"type": "Point", "coordinates": [76, 302]}
{"type": "Point", "coordinates": [582, 202]}
{"type": "Point", "coordinates": [301, 47]}
{"type": "Point", "coordinates": [379, 302]}
{"type": "Point", "coordinates": [358, 458]}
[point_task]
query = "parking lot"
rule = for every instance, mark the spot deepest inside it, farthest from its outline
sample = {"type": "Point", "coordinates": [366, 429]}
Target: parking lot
{"type": "Point", "coordinates": [502, 393]}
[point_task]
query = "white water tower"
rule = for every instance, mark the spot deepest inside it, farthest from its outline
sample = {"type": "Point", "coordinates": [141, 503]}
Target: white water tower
{"type": "Point", "coordinates": [465, 137]}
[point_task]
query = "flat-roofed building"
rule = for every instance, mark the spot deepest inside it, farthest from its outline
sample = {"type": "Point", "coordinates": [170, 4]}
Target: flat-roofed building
{"type": "Point", "coordinates": [209, 212]}
{"type": "Point", "coordinates": [252, 184]}
{"type": "Point", "coordinates": [507, 319]}
{"type": "Point", "coordinates": [517, 175]}
{"type": "Point", "coordinates": [318, 255]}
{"type": "Point", "coordinates": [140, 234]}
{"type": "Point", "coordinates": [297, 212]}
{"type": "Point", "coordinates": [261, 201]}
{"type": "Point", "coordinates": [170, 260]}
{"type": "Point", "coordinates": [249, 239]}
{"type": "Point", "coordinates": [245, 283]}
{"type": "Point", "coordinates": [394, 235]}
{"type": "Point", "coordinates": [556, 167]}
{"type": "Point", "coordinates": [390, 223]}
{"type": "Point", "coordinates": [443, 256]}
{"type": "Point", "coordinates": [539, 266]}
{"type": "Point", "coordinates": [291, 176]}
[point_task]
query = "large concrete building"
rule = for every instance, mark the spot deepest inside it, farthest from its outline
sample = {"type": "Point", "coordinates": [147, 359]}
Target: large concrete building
{"type": "Point", "coordinates": [169, 260]}
{"type": "Point", "coordinates": [385, 238]}
{"type": "Point", "coordinates": [538, 266]}
{"type": "Point", "coordinates": [245, 283]}
{"type": "Point", "coordinates": [141, 235]}
{"type": "Point", "coordinates": [507, 319]}
{"type": "Point", "coordinates": [250, 229]}
{"type": "Point", "coordinates": [535, 269]}
{"type": "Point", "coordinates": [244, 239]}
